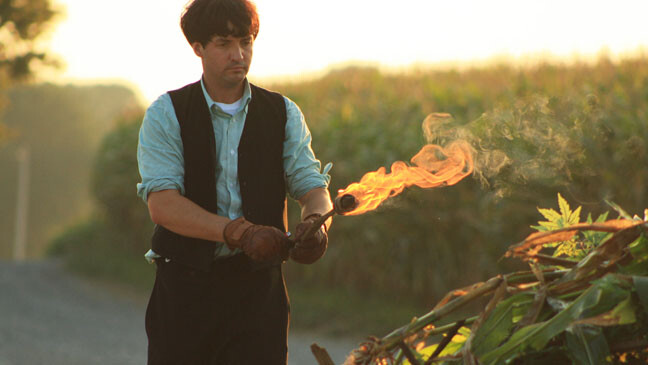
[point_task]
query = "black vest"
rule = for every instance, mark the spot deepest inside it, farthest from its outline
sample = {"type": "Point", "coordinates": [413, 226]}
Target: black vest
{"type": "Point", "coordinates": [260, 168]}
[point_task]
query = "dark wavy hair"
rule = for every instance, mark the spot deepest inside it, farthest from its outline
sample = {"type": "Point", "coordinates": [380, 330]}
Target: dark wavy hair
{"type": "Point", "coordinates": [202, 19]}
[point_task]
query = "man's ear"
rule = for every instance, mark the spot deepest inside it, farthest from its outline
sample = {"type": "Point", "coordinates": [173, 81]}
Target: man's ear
{"type": "Point", "coordinates": [197, 48]}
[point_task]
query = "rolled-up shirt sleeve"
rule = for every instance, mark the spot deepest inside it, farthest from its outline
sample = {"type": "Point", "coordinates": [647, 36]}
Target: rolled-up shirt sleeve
{"type": "Point", "coordinates": [159, 150]}
{"type": "Point", "coordinates": [300, 165]}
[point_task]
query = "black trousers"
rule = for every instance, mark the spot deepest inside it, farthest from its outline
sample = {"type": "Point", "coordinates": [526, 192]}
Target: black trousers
{"type": "Point", "coordinates": [235, 314]}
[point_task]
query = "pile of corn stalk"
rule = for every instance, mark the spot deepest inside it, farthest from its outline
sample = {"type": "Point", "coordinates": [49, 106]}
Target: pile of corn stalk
{"type": "Point", "coordinates": [591, 311]}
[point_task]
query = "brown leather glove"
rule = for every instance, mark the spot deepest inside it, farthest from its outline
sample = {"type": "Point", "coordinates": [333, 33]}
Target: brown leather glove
{"type": "Point", "coordinates": [260, 243]}
{"type": "Point", "coordinates": [309, 249]}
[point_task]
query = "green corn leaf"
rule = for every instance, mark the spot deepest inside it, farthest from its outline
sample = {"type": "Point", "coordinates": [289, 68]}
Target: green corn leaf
{"type": "Point", "coordinates": [497, 326]}
{"type": "Point", "coordinates": [602, 296]}
{"type": "Point", "coordinates": [455, 345]}
{"type": "Point", "coordinates": [639, 251]}
{"type": "Point", "coordinates": [612, 291]}
{"type": "Point", "coordinates": [636, 268]}
{"type": "Point", "coordinates": [641, 286]}
{"type": "Point", "coordinates": [622, 213]}
{"type": "Point", "coordinates": [514, 346]}
{"type": "Point", "coordinates": [625, 312]}
{"type": "Point", "coordinates": [587, 345]}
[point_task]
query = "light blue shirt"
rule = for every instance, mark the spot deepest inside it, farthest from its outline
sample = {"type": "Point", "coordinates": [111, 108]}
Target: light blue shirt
{"type": "Point", "coordinates": [161, 161]}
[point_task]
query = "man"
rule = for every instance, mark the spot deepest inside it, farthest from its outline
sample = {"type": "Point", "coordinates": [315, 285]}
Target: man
{"type": "Point", "coordinates": [216, 159]}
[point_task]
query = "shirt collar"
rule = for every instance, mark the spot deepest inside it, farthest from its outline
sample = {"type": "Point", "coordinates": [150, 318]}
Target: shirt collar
{"type": "Point", "coordinates": [211, 104]}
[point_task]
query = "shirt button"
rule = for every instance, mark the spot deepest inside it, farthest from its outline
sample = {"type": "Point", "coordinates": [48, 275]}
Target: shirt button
{"type": "Point", "coordinates": [232, 152]}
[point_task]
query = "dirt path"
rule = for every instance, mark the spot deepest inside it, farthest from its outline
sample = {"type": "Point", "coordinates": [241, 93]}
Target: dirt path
{"type": "Point", "coordinates": [48, 316]}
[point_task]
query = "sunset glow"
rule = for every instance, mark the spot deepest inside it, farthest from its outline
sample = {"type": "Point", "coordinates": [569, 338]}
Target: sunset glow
{"type": "Point", "coordinates": [140, 43]}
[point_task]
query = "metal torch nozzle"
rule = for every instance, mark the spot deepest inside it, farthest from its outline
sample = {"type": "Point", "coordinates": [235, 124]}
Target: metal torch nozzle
{"type": "Point", "coordinates": [345, 203]}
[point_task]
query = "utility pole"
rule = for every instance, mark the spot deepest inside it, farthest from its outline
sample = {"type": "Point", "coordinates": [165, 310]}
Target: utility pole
{"type": "Point", "coordinates": [20, 242]}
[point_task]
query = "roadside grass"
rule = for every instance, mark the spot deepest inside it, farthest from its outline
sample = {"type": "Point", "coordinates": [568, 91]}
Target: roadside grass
{"type": "Point", "coordinates": [91, 250]}
{"type": "Point", "coordinates": [340, 312]}
{"type": "Point", "coordinates": [114, 267]}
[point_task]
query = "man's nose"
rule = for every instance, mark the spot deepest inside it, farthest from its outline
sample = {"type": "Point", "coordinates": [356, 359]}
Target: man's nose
{"type": "Point", "coordinates": [236, 52]}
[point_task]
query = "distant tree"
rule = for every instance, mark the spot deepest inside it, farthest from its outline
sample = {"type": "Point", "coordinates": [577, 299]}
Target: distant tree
{"type": "Point", "coordinates": [63, 125]}
{"type": "Point", "coordinates": [21, 24]}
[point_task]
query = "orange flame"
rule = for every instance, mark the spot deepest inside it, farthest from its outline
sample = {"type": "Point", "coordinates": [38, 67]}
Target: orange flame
{"type": "Point", "coordinates": [434, 166]}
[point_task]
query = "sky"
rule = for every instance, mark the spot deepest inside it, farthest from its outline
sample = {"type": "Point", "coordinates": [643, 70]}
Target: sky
{"type": "Point", "coordinates": [139, 42]}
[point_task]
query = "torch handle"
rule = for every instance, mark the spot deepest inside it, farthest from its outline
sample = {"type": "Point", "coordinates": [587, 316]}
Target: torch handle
{"type": "Point", "coordinates": [311, 231]}
{"type": "Point", "coordinates": [342, 204]}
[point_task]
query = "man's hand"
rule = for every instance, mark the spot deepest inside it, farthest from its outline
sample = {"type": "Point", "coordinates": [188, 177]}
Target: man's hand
{"type": "Point", "coordinates": [260, 243]}
{"type": "Point", "coordinates": [309, 249]}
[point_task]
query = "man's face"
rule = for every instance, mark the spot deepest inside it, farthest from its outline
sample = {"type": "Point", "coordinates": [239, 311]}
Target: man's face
{"type": "Point", "coordinates": [226, 59]}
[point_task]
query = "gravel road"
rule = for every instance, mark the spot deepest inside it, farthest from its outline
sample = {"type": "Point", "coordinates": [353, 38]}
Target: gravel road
{"type": "Point", "coordinates": [48, 316]}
